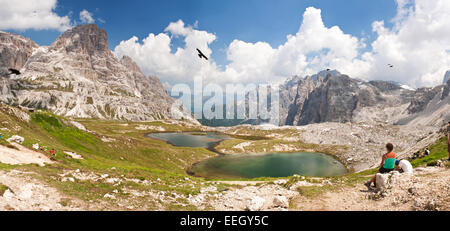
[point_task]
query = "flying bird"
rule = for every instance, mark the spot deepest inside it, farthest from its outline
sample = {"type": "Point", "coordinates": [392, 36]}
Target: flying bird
{"type": "Point", "coordinates": [14, 71]}
{"type": "Point", "coordinates": [390, 65]}
{"type": "Point", "coordinates": [201, 55]}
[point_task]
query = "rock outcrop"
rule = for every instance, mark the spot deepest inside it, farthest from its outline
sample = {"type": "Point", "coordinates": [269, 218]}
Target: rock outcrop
{"type": "Point", "coordinates": [332, 97]}
{"type": "Point", "coordinates": [14, 52]}
{"type": "Point", "coordinates": [429, 106]}
{"type": "Point", "coordinates": [422, 97]}
{"type": "Point", "coordinates": [446, 90]}
{"type": "Point", "coordinates": [446, 77]}
{"type": "Point", "coordinates": [78, 76]}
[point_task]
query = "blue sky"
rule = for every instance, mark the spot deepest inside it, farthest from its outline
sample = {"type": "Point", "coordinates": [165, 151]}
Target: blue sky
{"type": "Point", "coordinates": [249, 20]}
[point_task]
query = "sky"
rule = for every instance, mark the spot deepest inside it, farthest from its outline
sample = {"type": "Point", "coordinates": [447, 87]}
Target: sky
{"type": "Point", "coordinates": [256, 41]}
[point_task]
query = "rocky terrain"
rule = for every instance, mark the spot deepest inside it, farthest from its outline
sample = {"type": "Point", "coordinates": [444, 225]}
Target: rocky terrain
{"type": "Point", "coordinates": [78, 76]}
{"type": "Point", "coordinates": [426, 190]}
{"type": "Point", "coordinates": [25, 193]}
{"type": "Point", "coordinates": [15, 50]}
{"type": "Point", "coordinates": [332, 97]}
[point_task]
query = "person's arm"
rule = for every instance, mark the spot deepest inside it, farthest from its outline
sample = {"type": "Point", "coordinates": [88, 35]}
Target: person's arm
{"type": "Point", "coordinates": [382, 160]}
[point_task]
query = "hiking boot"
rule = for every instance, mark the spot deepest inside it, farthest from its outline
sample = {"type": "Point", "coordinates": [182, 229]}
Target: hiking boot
{"type": "Point", "coordinates": [367, 184]}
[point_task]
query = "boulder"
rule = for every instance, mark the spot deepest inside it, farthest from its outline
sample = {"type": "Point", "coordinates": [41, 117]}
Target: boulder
{"type": "Point", "coordinates": [36, 146]}
{"type": "Point", "coordinates": [74, 155]}
{"type": "Point", "coordinates": [386, 181]}
{"type": "Point", "coordinates": [280, 182]}
{"type": "Point", "coordinates": [382, 182]}
{"type": "Point", "coordinates": [256, 204]}
{"type": "Point", "coordinates": [109, 196]}
{"type": "Point", "coordinates": [280, 202]}
{"type": "Point", "coordinates": [16, 139]}
{"type": "Point", "coordinates": [79, 126]}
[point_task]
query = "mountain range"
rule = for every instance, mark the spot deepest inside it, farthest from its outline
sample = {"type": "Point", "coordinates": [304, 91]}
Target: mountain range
{"type": "Point", "coordinates": [330, 96]}
{"type": "Point", "coordinates": [78, 76]}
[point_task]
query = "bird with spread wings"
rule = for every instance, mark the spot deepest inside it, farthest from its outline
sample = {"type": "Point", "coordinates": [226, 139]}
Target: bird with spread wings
{"type": "Point", "coordinates": [14, 71]}
{"type": "Point", "coordinates": [201, 55]}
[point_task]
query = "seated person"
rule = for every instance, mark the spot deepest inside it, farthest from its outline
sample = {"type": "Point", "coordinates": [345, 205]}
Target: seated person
{"type": "Point", "coordinates": [404, 166]}
{"type": "Point", "coordinates": [426, 152]}
{"type": "Point", "coordinates": [387, 164]}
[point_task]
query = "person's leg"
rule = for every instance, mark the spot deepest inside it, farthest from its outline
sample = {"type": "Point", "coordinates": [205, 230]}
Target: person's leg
{"type": "Point", "coordinates": [374, 178]}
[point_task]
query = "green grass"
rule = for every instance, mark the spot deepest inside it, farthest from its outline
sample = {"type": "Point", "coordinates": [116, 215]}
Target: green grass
{"type": "Point", "coordinates": [438, 151]}
{"type": "Point", "coordinates": [3, 189]}
{"type": "Point", "coordinates": [127, 151]}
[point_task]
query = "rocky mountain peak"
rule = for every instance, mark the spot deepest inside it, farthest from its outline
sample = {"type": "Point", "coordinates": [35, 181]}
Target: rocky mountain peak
{"type": "Point", "coordinates": [446, 77]}
{"type": "Point", "coordinates": [446, 90]}
{"type": "Point", "coordinates": [385, 86]}
{"type": "Point", "coordinates": [78, 76]}
{"type": "Point", "coordinates": [326, 73]}
{"type": "Point", "coordinates": [130, 64]}
{"type": "Point", "coordinates": [88, 39]}
{"type": "Point", "coordinates": [14, 51]}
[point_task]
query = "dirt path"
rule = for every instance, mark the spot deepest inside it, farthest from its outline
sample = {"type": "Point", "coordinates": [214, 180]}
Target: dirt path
{"type": "Point", "coordinates": [428, 189]}
{"type": "Point", "coordinates": [25, 193]}
{"type": "Point", "coordinates": [22, 155]}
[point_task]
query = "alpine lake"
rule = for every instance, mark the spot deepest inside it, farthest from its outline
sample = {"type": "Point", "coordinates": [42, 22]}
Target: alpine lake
{"type": "Point", "coordinates": [238, 166]}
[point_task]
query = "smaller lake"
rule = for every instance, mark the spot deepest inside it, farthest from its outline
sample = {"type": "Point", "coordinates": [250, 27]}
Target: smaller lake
{"type": "Point", "coordinates": [269, 165]}
{"type": "Point", "coordinates": [192, 140]}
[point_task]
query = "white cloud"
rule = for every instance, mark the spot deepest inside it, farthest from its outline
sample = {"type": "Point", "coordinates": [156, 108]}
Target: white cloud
{"type": "Point", "coordinates": [154, 54]}
{"type": "Point", "coordinates": [31, 14]}
{"type": "Point", "coordinates": [418, 45]}
{"type": "Point", "coordinates": [86, 17]}
{"type": "Point", "coordinates": [312, 48]}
